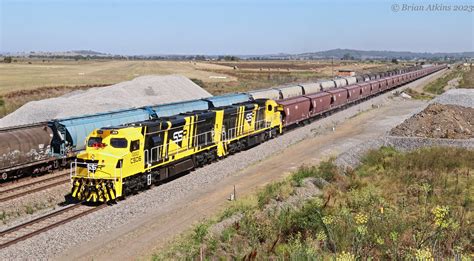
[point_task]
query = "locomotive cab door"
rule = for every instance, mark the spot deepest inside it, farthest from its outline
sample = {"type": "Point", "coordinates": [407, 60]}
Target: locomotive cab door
{"type": "Point", "coordinates": [153, 149]}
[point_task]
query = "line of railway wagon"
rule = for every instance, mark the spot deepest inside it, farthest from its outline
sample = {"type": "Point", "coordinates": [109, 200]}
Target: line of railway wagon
{"type": "Point", "coordinates": [122, 160]}
{"type": "Point", "coordinates": [39, 148]}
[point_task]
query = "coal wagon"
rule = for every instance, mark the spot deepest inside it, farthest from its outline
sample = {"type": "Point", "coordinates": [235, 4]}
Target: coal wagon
{"type": "Point", "coordinates": [25, 150]}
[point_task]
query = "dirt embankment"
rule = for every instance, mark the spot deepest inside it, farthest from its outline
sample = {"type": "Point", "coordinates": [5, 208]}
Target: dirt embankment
{"type": "Point", "coordinates": [439, 121]}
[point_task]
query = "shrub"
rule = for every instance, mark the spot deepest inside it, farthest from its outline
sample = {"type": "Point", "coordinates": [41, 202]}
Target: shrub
{"type": "Point", "coordinates": [398, 206]}
{"type": "Point", "coordinates": [326, 170]}
{"type": "Point", "coordinates": [277, 191]}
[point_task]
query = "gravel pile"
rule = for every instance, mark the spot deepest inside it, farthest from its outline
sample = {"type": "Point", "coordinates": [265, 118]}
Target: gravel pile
{"type": "Point", "coordinates": [461, 97]}
{"type": "Point", "coordinates": [439, 121]}
{"type": "Point", "coordinates": [141, 91]}
{"type": "Point", "coordinates": [58, 240]}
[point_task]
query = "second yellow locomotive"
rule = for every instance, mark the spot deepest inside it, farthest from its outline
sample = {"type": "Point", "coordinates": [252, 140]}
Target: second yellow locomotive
{"type": "Point", "coordinates": [122, 160]}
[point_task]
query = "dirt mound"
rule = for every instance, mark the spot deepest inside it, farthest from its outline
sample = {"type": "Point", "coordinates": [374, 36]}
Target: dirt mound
{"type": "Point", "coordinates": [141, 91]}
{"type": "Point", "coordinates": [439, 121]}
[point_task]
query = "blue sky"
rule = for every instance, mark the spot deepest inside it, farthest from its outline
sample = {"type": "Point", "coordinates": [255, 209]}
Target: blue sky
{"type": "Point", "coordinates": [230, 27]}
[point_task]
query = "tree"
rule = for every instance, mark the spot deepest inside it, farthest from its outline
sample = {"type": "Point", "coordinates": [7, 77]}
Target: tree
{"type": "Point", "coordinates": [347, 56]}
{"type": "Point", "coordinates": [395, 61]}
{"type": "Point", "coordinates": [7, 59]}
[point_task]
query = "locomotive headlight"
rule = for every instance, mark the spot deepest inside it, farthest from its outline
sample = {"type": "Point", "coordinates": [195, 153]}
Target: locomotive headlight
{"type": "Point", "coordinates": [92, 156]}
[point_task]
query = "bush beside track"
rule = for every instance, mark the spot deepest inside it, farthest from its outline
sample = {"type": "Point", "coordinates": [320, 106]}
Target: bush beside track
{"type": "Point", "coordinates": [414, 205]}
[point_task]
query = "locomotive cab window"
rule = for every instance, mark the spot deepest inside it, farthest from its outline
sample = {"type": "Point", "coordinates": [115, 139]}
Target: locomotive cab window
{"type": "Point", "coordinates": [118, 143]}
{"type": "Point", "coordinates": [134, 145]}
{"type": "Point", "coordinates": [93, 140]}
{"type": "Point", "coordinates": [269, 107]}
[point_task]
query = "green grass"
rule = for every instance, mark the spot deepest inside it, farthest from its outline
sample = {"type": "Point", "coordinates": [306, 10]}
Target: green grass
{"type": "Point", "coordinates": [437, 86]}
{"type": "Point", "coordinates": [415, 205]}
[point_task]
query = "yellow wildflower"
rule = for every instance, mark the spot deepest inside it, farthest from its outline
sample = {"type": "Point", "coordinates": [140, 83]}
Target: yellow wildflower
{"type": "Point", "coordinates": [361, 218]}
{"type": "Point", "coordinates": [345, 256]}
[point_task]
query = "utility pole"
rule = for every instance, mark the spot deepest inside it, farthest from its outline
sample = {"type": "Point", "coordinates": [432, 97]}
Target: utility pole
{"type": "Point", "coordinates": [332, 66]}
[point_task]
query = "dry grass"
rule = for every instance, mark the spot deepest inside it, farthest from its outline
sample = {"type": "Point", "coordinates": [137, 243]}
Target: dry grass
{"type": "Point", "coordinates": [251, 75]}
{"type": "Point", "coordinates": [395, 206]}
{"type": "Point", "coordinates": [34, 79]}
{"type": "Point", "coordinates": [15, 99]}
{"type": "Point", "coordinates": [467, 79]}
{"type": "Point", "coordinates": [25, 76]}
{"type": "Point", "coordinates": [418, 95]}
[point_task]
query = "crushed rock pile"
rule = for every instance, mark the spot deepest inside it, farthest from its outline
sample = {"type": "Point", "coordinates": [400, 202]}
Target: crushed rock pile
{"type": "Point", "coordinates": [462, 97]}
{"type": "Point", "coordinates": [439, 121]}
{"type": "Point", "coordinates": [141, 91]}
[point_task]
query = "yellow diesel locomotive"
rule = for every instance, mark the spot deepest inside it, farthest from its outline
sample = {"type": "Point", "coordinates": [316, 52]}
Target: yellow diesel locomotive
{"type": "Point", "coordinates": [122, 160]}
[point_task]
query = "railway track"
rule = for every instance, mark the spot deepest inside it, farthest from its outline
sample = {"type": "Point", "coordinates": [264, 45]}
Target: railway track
{"type": "Point", "coordinates": [9, 192]}
{"type": "Point", "coordinates": [44, 223]}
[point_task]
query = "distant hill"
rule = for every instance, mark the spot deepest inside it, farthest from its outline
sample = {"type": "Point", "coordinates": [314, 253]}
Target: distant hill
{"type": "Point", "coordinates": [348, 54]}
{"type": "Point", "coordinates": [75, 53]}
{"type": "Point", "coordinates": [359, 54]}
{"type": "Point", "coordinates": [88, 52]}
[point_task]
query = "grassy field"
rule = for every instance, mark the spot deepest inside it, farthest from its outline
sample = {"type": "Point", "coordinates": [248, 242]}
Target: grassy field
{"type": "Point", "coordinates": [253, 75]}
{"type": "Point", "coordinates": [439, 85]}
{"type": "Point", "coordinates": [395, 206]}
{"type": "Point", "coordinates": [25, 76]}
{"type": "Point", "coordinates": [29, 80]}
{"type": "Point", "coordinates": [467, 79]}
{"type": "Point", "coordinates": [33, 79]}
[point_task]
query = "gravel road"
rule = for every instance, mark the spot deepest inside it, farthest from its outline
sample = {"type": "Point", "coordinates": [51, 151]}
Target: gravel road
{"type": "Point", "coordinates": [113, 231]}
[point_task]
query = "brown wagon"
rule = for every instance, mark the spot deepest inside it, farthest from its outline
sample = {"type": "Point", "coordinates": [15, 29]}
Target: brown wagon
{"type": "Point", "coordinates": [338, 97]}
{"type": "Point", "coordinates": [383, 84]}
{"type": "Point", "coordinates": [374, 87]}
{"type": "Point", "coordinates": [354, 92]}
{"type": "Point", "coordinates": [320, 103]}
{"type": "Point", "coordinates": [294, 109]}
{"type": "Point", "coordinates": [24, 146]}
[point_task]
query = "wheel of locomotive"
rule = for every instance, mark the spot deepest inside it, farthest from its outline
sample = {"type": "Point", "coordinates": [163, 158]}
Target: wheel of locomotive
{"type": "Point", "coordinates": [4, 176]}
{"type": "Point", "coordinates": [63, 162]}
{"type": "Point", "coordinates": [56, 164]}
